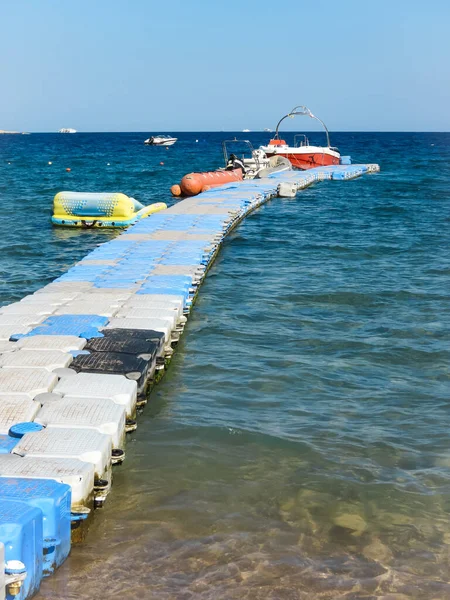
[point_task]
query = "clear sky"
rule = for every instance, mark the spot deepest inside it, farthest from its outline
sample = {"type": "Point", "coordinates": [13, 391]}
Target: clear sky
{"type": "Point", "coordinates": [189, 65]}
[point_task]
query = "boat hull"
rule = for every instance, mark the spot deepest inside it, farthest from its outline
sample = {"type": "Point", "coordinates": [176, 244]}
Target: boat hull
{"type": "Point", "coordinates": [171, 143]}
{"type": "Point", "coordinates": [306, 160]}
{"type": "Point", "coordinates": [309, 161]}
{"type": "Point", "coordinates": [160, 142]}
{"type": "Point", "coordinates": [303, 157]}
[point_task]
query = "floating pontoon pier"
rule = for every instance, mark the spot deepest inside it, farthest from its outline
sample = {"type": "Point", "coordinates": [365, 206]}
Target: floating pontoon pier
{"type": "Point", "coordinates": [79, 356]}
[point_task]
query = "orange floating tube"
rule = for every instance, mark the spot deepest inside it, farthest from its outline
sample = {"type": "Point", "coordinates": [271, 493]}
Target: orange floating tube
{"type": "Point", "coordinates": [194, 183]}
{"type": "Point", "coordinates": [175, 190]}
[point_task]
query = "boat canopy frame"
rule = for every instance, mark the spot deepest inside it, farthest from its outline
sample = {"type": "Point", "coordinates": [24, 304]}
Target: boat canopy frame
{"type": "Point", "coordinates": [303, 111]}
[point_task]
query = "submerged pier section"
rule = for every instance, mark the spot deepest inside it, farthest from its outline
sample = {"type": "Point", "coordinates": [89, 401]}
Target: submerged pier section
{"type": "Point", "coordinates": [78, 357]}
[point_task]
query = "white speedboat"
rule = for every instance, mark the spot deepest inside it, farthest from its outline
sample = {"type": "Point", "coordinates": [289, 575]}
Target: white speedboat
{"type": "Point", "coordinates": [67, 130]}
{"type": "Point", "coordinates": [160, 140]}
{"type": "Point", "coordinates": [254, 163]}
{"type": "Point", "coordinates": [302, 155]}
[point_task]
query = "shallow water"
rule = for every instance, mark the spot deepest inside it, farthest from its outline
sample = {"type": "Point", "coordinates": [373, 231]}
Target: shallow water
{"type": "Point", "coordinates": [298, 447]}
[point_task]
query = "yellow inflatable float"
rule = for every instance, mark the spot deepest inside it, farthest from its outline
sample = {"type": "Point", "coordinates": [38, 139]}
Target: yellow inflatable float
{"type": "Point", "coordinates": [80, 209]}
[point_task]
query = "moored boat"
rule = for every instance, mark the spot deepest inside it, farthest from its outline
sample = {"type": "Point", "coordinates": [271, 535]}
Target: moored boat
{"type": "Point", "coordinates": [302, 155]}
{"type": "Point", "coordinates": [247, 163]}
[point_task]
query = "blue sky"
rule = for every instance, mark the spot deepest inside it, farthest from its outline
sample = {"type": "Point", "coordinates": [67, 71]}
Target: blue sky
{"type": "Point", "coordinates": [147, 65]}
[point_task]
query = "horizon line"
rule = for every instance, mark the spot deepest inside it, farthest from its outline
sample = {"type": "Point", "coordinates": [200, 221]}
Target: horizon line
{"type": "Point", "coordinates": [11, 132]}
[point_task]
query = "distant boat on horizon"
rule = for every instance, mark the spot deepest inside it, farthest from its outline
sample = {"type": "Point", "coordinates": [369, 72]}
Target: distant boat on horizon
{"type": "Point", "coordinates": [161, 140]}
{"type": "Point", "coordinates": [267, 129]}
{"type": "Point", "coordinates": [67, 130]}
{"type": "Point", "coordinates": [246, 130]}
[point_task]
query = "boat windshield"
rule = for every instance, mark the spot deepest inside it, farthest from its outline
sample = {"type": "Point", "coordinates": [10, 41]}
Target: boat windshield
{"type": "Point", "coordinates": [242, 149]}
{"type": "Point", "coordinates": [300, 140]}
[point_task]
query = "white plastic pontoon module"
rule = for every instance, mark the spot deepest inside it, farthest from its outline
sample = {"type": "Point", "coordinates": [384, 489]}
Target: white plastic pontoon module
{"type": "Point", "coordinates": [27, 359]}
{"type": "Point", "coordinates": [16, 409]}
{"type": "Point", "coordinates": [65, 287]}
{"type": "Point", "coordinates": [98, 297]}
{"type": "Point", "coordinates": [87, 307]}
{"type": "Point", "coordinates": [27, 382]}
{"type": "Point", "coordinates": [117, 388]}
{"type": "Point", "coordinates": [116, 293]}
{"type": "Point", "coordinates": [64, 343]}
{"type": "Point", "coordinates": [6, 331]}
{"type": "Point", "coordinates": [177, 270]}
{"type": "Point", "coordinates": [132, 237]}
{"type": "Point", "coordinates": [76, 473]}
{"type": "Point", "coordinates": [113, 294]}
{"type": "Point", "coordinates": [22, 308]}
{"type": "Point", "coordinates": [83, 444]}
{"type": "Point", "coordinates": [144, 307]}
{"type": "Point", "coordinates": [22, 320]}
{"type": "Point", "coordinates": [6, 346]}
{"type": "Point", "coordinates": [52, 299]}
{"type": "Point", "coordinates": [287, 189]}
{"type": "Point", "coordinates": [147, 299]}
{"type": "Point", "coordinates": [169, 315]}
{"type": "Point", "coordinates": [155, 324]}
{"type": "Point", "coordinates": [168, 235]}
{"type": "Point", "coordinates": [101, 414]}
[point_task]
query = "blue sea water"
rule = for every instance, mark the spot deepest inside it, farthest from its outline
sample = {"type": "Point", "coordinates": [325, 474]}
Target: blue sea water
{"type": "Point", "coordinates": [298, 447]}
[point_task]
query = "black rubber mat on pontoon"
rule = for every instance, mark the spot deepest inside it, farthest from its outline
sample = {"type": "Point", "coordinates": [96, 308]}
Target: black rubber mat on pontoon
{"type": "Point", "coordinates": [139, 368]}
{"type": "Point", "coordinates": [128, 341]}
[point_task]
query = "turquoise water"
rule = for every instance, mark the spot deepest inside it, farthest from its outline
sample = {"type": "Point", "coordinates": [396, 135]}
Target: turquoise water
{"type": "Point", "coordinates": [298, 447]}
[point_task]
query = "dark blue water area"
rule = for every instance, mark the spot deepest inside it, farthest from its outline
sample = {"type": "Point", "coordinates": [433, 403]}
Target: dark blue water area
{"type": "Point", "coordinates": [298, 446]}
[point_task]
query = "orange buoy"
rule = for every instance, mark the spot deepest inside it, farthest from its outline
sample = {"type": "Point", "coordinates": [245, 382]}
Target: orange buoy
{"type": "Point", "coordinates": [68, 169]}
{"type": "Point", "coordinates": [194, 183]}
{"type": "Point", "coordinates": [175, 190]}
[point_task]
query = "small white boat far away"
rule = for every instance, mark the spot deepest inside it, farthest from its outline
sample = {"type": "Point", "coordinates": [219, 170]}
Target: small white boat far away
{"type": "Point", "coordinates": [160, 140]}
{"type": "Point", "coordinates": [67, 130]}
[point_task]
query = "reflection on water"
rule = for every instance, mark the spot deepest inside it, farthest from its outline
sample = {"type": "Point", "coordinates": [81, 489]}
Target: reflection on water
{"type": "Point", "coordinates": [298, 447]}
